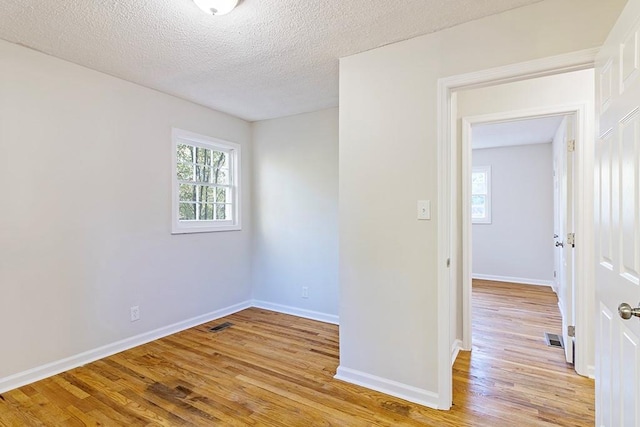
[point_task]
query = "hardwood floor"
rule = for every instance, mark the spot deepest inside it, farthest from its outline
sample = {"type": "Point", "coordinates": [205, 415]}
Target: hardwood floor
{"type": "Point", "coordinates": [277, 370]}
{"type": "Point", "coordinates": [511, 373]}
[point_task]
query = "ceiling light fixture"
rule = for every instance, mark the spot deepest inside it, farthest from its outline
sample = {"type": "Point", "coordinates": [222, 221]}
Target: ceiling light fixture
{"type": "Point", "coordinates": [216, 7]}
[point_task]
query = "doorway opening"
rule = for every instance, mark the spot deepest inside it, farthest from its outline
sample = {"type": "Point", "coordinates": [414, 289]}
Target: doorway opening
{"type": "Point", "coordinates": [562, 104]}
{"type": "Point", "coordinates": [455, 282]}
{"type": "Point", "coordinates": [517, 203]}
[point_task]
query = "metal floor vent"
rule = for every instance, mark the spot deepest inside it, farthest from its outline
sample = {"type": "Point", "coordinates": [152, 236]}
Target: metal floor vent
{"type": "Point", "coordinates": [221, 326]}
{"type": "Point", "coordinates": [554, 340]}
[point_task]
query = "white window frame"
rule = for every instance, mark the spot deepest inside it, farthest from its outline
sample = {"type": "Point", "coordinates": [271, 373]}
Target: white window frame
{"type": "Point", "coordinates": [486, 170]}
{"type": "Point", "coordinates": [180, 136]}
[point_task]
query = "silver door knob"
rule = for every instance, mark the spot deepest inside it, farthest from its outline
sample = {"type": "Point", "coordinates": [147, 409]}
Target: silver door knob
{"type": "Point", "coordinates": [627, 312]}
{"type": "Point", "coordinates": [559, 244]}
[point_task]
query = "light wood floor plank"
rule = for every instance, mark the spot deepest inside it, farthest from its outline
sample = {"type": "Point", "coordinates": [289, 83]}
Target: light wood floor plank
{"type": "Point", "coordinates": [270, 369]}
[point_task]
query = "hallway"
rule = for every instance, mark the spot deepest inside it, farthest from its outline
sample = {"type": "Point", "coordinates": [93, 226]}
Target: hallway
{"type": "Point", "coordinates": [511, 373]}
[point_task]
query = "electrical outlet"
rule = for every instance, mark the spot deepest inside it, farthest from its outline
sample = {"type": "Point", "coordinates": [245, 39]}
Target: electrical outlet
{"type": "Point", "coordinates": [135, 313]}
{"type": "Point", "coordinates": [305, 292]}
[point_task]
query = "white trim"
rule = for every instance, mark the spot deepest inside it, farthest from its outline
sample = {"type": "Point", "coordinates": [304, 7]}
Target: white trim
{"type": "Point", "coordinates": [486, 170]}
{"type": "Point", "coordinates": [446, 231]}
{"type": "Point", "coordinates": [455, 350]}
{"type": "Point", "coordinates": [448, 173]}
{"type": "Point", "coordinates": [40, 372]}
{"type": "Point", "coordinates": [517, 280]}
{"type": "Point", "coordinates": [573, 61]}
{"type": "Point", "coordinates": [392, 388]}
{"type": "Point", "coordinates": [467, 235]}
{"type": "Point", "coordinates": [235, 151]}
{"type": "Point", "coordinates": [295, 311]}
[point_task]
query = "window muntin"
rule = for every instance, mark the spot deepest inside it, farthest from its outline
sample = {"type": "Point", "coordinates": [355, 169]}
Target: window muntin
{"type": "Point", "coordinates": [205, 184]}
{"type": "Point", "coordinates": [481, 195]}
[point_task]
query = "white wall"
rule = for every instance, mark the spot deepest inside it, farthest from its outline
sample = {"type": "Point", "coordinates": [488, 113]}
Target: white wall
{"type": "Point", "coordinates": [296, 223]}
{"type": "Point", "coordinates": [518, 244]}
{"type": "Point", "coordinates": [85, 162]}
{"type": "Point", "coordinates": [388, 160]}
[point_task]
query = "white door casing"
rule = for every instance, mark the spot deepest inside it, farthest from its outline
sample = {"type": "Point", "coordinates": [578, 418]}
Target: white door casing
{"type": "Point", "coordinates": [557, 232]}
{"type": "Point", "coordinates": [617, 222]}
{"type": "Point", "coordinates": [566, 299]}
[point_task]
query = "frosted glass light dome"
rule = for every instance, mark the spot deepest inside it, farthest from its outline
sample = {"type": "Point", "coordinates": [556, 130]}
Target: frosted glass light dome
{"type": "Point", "coordinates": [216, 7]}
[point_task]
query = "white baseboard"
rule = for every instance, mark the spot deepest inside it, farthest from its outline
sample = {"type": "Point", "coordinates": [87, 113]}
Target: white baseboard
{"type": "Point", "coordinates": [295, 311]}
{"type": "Point", "coordinates": [560, 309]}
{"type": "Point", "coordinates": [456, 346]}
{"type": "Point", "coordinates": [390, 387]}
{"type": "Point", "coordinates": [520, 280]}
{"type": "Point", "coordinates": [591, 372]}
{"type": "Point", "coordinates": [40, 372]}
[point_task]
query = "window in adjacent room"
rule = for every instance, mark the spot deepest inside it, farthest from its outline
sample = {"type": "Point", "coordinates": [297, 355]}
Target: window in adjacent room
{"type": "Point", "coordinates": [481, 195]}
{"type": "Point", "coordinates": [206, 184]}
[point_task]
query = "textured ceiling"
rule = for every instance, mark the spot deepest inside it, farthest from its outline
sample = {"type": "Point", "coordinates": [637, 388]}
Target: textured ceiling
{"type": "Point", "coordinates": [518, 132]}
{"type": "Point", "coordinates": [267, 58]}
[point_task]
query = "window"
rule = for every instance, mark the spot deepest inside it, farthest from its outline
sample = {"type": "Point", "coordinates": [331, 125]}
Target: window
{"type": "Point", "coordinates": [206, 184]}
{"type": "Point", "coordinates": [481, 195]}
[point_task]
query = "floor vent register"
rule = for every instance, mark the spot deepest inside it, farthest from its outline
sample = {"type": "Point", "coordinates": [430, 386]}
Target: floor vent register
{"type": "Point", "coordinates": [553, 340]}
{"type": "Point", "coordinates": [221, 327]}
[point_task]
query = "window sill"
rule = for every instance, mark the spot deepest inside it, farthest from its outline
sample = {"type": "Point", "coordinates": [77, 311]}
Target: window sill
{"type": "Point", "coordinates": [205, 229]}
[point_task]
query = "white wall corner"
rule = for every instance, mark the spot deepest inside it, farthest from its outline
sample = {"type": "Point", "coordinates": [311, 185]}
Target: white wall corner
{"type": "Point", "coordinates": [44, 371]}
{"type": "Point", "coordinates": [390, 387]}
{"type": "Point", "coordinates": [456, 346]}
{"type": "Point", "coordinates": [295, 311]}
{"type": "Point", "coordinates": [591, 372]}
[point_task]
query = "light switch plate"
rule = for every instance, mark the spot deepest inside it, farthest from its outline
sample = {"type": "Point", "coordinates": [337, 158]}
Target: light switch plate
{"type": "Point", "coordinates": [424, 209]}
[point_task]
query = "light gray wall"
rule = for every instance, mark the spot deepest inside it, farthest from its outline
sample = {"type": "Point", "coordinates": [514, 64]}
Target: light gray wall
{"type": "Point", "coordinates": [518, 244]}
{"type": "Point", "coordinates": [296, 220]}
{"type": "Point", "coordinates": [85, 162]}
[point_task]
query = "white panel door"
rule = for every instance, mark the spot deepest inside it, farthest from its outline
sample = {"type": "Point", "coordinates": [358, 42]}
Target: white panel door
{"type": "Point", "coordinates": [617, 222]}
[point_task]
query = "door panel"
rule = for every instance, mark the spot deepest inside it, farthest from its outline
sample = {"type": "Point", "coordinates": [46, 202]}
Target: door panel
{"type": "Point", "coordinates": [605, 200]}
{"type": "Point", "coordinates": [629, 196]}
{"type": "Point", "coordinates": [617, 262]}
